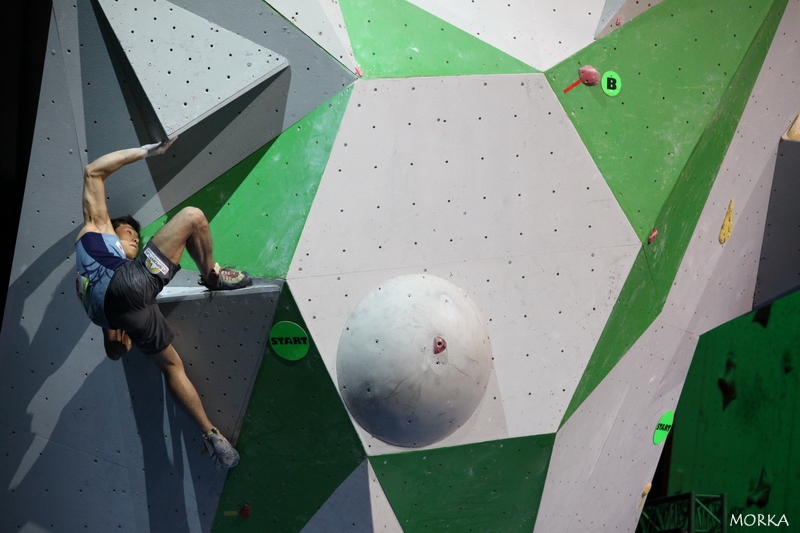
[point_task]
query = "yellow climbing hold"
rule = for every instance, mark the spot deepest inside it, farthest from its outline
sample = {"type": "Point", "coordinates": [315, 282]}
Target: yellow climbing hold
{"type": "Point", "coordinates": [727, 225]}
{"type": "Point", "coordinates": [794, 131]}
{"type": "Point", "coordinates": [645, 492]}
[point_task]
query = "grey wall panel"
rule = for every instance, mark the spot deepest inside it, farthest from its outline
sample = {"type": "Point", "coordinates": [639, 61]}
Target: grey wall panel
{"type": "Point", "coordinates": [629, 457]}
{"type": "Point", "coordinates": [383, 517]}
{"type": "Point", "coordinates": [604, 455]}
{"type": "Point", "coordinates": [221, 337]}
{"type": "Point", "coordinates": [625, 13]}
{"type": "Point", "coordinates": [66, 17]}
{"type": "Point", "coordinates": [67, 489]}
{"type": "Point", "coordinates": [541, 33]}
{"type": "Point", "coordinates": [779, 269]}
{"type": "Point", "coordinates": [316, 76]}
{"type": "Point", "coordinates": [712, 273]}
{"type": "Point", "coordinates": [61, 396]}
{"type": "Point", "coordinates": [49, 352]}
{"type": "Point", "coordinates": [716, 282]}
{"type": "Point", "coordinates": [214, 145]}
{"type": "Point", "coordinates": [187, 67]}
{"type": "Point", "coordinates": [575, 455]}
{"type": "Point", "coordinates": [113, 122]}
{"type": "Point", "coordinates": [52, 204]}
{"type": "Point", "coordinates": [359, 505]}
{"type": "Point", "coordinates": [608, 17]}
{"type": "Point", "coordinates": [322, 21]}
{"type": "Point", "coordinates": [348, 508]}
{"type": "Point", "coordinates": [174, 484]}
{"type": "Point", "coordinates": [111, 119]}
{"type": "Point", "coordinates": [59, 400]}
{"type": "Point", "coordinates": [83, 415]}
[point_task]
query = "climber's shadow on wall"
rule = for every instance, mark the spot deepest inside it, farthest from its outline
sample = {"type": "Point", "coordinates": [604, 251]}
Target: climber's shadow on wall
{"type": "Point", "coordinates": [182, 486]}
{"type": "Point", "coordinates": [59, 311]}
{"type": "Point", "coordinates": [42, 373]}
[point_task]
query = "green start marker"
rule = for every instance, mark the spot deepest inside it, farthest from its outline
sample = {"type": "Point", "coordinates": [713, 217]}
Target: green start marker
{"type": "Point", "coordinates": [611, 83]}
{"type": "Point", "coordinates": [663, 427]}
{"type": "Point", "coordinates": [289, 340]}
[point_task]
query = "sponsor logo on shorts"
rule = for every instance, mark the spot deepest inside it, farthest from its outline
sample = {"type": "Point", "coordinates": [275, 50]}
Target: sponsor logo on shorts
{"type": "Point", "coordinates": [154, 263]}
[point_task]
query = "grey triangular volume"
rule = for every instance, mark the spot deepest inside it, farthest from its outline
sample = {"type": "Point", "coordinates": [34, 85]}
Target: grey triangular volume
{"type": "Point", "coordinates": [609, 10]}
{"type": "Point", "coordinates": [187, 66]}
{"type": "Point", "coordinates": [779, 267]}
{"type": "Point", "coordinates": [348, 508]}
{"type": "Point", "coordinates": [220, 336]}
{"type": "Point", "coordinates": [618, 12]}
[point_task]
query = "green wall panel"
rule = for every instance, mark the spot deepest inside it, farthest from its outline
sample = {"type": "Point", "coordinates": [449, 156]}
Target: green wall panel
{"type": "Point", "coordinates": [396, 39]}
{"type": "Point", "coordinates": [637, 306]}
{"type": "Point", "coordinates": [489, 486]}
{"type": "Point", "coordinates": [212, 197]}
{"type": "Point", "coordinates": [722, 449]}
{"type": "Point", "coordinates": [678, 219]}
{"type": "Point", "coordinates": [675, 202]}
{"type": "Point", "coordinates": [257, 210]}
{"type": "Point", "coordinates": [675, 62]}
{"type": "Point", "coordinates": [297, 442]}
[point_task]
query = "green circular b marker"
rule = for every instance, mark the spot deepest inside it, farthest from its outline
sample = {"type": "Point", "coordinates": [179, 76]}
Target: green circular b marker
{"type": "Point", "coordinates": [611, 83]}
{"type": "Point", "coordinates": [289, 340]}
{"type": "Point", "coordinates": [663, 427]}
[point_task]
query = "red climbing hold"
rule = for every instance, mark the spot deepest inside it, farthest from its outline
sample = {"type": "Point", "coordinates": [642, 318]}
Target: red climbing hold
{"type": "Point", "coordinates": [439, 345]}
{"type": "Point", "coordinates": [589, 75]}
{"type": "Point", "coordinates": [245, 511]}
{"type": "Point", "coordinates": [652, 237]}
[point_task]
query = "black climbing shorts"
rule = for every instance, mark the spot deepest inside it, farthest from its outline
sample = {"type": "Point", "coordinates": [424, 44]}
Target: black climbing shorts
{"type": "Point", "coordinates": [130, 303]}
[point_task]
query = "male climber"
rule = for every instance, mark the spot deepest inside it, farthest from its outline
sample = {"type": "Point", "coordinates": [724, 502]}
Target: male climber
{"type": "Point", "coordinates": [119, 289]}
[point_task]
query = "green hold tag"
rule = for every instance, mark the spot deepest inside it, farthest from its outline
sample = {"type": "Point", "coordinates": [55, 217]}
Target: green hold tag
{"type": "Point", "coordinates": [612, 83]}
{"type": "Point", "coordinates": [663, 427]}
{"type": "Point", "coordinates": [289, 340]}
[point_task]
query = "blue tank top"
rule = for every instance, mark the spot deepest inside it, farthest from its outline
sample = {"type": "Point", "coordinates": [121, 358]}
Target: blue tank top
{"type": "Point", "coordinates": [98, 256]}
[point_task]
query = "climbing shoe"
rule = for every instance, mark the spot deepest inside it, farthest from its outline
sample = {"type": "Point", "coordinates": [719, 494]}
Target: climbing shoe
{"type": "Point", "coordinates": [222, 452]}
{"type": "Point", "coordinates": [226, 279]}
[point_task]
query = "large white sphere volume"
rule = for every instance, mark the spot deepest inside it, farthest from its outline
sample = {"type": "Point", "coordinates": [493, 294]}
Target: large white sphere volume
{"type": "Point", "coordinates": [414, 360]}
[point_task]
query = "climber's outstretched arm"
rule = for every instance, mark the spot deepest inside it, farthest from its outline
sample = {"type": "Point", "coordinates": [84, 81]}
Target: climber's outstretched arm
{"type": "Point", "coordinates": [95, 210]}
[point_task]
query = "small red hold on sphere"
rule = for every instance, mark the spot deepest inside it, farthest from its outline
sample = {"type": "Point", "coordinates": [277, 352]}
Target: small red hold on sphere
{"type": "Point", "coordinates": [245, 511]}
{"type": "Point", "coordinates": [439, 345]}
{"type": "Point", "coordinates": [652, 237]}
